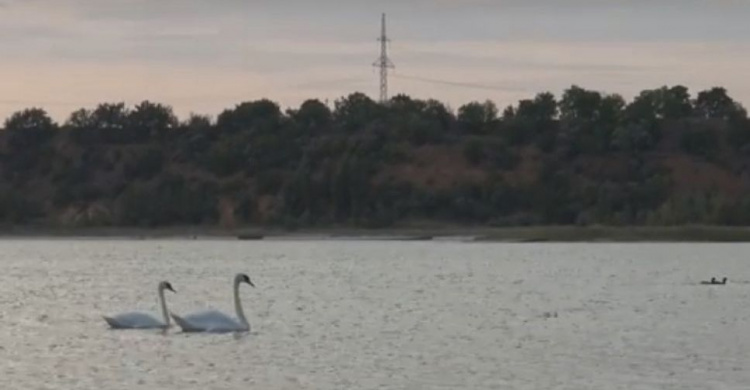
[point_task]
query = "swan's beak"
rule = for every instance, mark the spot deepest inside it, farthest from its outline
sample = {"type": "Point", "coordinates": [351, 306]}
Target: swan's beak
{"type": "Point", "coordinates": [250, 283]}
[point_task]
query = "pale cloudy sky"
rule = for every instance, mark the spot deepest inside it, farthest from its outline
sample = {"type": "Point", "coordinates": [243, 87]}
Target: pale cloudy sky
{"type": "Point", "coordinates": [206, 55]}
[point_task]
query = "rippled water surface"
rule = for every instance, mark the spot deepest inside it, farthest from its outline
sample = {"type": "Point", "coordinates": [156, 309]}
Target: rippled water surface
{"type": "Point", "coordinates": [390, 315]}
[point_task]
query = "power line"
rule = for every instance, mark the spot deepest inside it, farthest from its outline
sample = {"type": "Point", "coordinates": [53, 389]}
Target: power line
{"type": "Point", "coordinates": [460, 84]}
{"type": "Point", "coordinates": [15, 102]}
{"type": "Point", "coordinates": [383, 62]}
{"type": "Point", "coordinates": [164, 100]}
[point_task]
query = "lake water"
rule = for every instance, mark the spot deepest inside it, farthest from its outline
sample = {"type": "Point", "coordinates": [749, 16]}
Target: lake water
{"type": "Point", "coordinates": [379, 315]}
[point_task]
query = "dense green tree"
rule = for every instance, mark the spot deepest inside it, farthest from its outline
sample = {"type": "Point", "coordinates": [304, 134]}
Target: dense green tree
{"type": "Point", "coordinates": [257, 117]}
{"type": "Point", "coordinates": [356, 112]}
{"type": "Point", "coordinates": [543, 109]}
{"type": "Point", "coordinates": [588, 120]}
{"type": "Point", "coordinates": [196, 122]}
{"type": "Point", "coordinates": [674, 102]}
{"type": "Point", "coordinates": [474, 151]}
{"type": "Point", "coordinates": [478, 118]}
{"type": "Point", "coordinates": [32, 119]}
{"type": "Point", "coordinates": [633, 138]}
{"type": "Point", "coordinates": [110, 116]}
{"type": "Point", "coordinates": [589, 158]}
{"type": "Point", "coordinates": [578, 104]}
{"type": "Point", "coordinates": [715, 103]}
{"type": "Point", "coordinates": [420, 122]}
{"type": "Point", "coordinates": [313, 117]}
{"type": "Point", "coordinates": [151, 120]}
{"type": "Point", "coordinates": [81, 119]}
{"type": "Point", "coordinates": [533, 120]}
{"type": "Point", "coordinates": [29, 128]}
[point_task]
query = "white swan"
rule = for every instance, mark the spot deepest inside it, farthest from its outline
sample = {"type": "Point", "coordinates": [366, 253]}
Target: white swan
{"type": "Point", "coordinates": [217, 322]}
{"type": "Point", "coordinates": [137, 320]}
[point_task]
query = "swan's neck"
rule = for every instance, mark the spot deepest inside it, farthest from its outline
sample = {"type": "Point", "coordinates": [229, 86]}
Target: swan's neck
{"type": "Point", "coordinates": [163, 303]}
{"type": "Point", "coordinates": [238, 305]}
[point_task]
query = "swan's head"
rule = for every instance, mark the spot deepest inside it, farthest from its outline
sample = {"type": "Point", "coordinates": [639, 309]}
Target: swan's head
{"type": "Point", "coordinates": [242, 278]}
{"type": "Point", "coordinates": [166, 286]}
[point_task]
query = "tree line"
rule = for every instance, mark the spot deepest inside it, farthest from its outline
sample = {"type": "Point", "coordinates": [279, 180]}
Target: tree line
{"type": "Point", "coordinates": [587, 157]}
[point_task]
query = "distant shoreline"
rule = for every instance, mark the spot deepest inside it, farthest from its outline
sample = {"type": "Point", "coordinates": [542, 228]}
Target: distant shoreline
{"type": "Point", "coordinates": [454, 233]}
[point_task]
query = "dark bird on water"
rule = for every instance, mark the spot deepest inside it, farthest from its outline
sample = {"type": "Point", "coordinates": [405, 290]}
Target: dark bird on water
{"type": "Point", "coordinates": [713, 281]}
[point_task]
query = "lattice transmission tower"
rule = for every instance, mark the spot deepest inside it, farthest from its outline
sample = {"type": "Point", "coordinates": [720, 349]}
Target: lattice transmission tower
{"type": "Point", "coordinates": [383, 62]}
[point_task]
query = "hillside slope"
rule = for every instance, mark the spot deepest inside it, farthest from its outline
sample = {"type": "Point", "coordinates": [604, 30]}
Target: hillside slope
{"type": "Point", "coordinates": [589, 158]}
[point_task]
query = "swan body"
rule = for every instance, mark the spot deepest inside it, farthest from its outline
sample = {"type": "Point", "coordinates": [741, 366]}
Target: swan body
{"type": "Point", "coordinates": [134, 320]}
{"type": "Point", "coordinates": [213, 321]}
{"type": "Point", "coordinates": [137, 320]}
{"type": "Point", "coordinates": [210, 321]}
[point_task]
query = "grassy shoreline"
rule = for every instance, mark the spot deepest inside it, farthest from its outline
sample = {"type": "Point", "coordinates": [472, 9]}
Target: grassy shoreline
{"type": "Point", "coordinates": [475, 234]}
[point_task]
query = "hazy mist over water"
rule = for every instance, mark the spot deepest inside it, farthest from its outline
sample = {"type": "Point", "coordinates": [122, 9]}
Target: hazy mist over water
{"type": "Point", "coordinates": [364, 315]}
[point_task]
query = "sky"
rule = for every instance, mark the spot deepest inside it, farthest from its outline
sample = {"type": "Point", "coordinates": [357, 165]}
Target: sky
{"type": "Point", "coordinates": [202, 56]}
